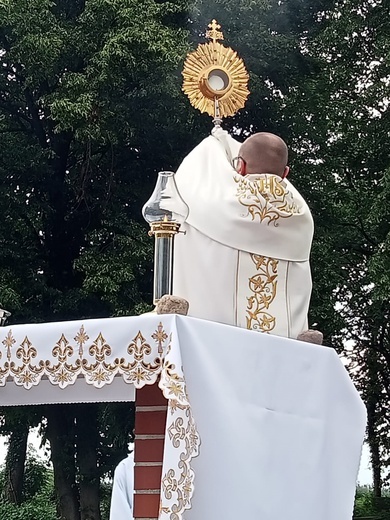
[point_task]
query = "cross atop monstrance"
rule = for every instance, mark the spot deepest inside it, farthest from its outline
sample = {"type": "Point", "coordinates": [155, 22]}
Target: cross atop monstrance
{"type": "Point", "coordinates": [215, 78]}
{"type": "Point", "coordinates": [214, 33]}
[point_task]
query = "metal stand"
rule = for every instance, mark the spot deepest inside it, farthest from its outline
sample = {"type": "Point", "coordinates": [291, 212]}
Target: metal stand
{"type": "Point", "coordinates": [217, 120]}
{"type": "Point", "coordinates": [164, 233]}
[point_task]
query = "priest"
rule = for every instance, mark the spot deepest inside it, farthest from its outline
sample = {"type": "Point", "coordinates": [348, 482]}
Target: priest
{"type": "Point", "coordinates": [244, 259]}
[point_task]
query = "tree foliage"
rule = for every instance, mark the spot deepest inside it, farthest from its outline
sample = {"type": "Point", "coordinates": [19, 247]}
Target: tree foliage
{"type": "Point", "coordinates": [78, 80]}
{"type": "Point", "coordinates": [341, 135]}
{"type": "Point", "coordinates": [369, 506]}
{"type": "Point", "coordinates": [85, 87]}
{"type": "Point", "coordinates": [38, 493]}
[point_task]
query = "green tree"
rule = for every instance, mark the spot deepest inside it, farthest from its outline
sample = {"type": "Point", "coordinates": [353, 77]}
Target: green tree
{"type": "Point", "coordinates": [78, 80]}
{"type": "Point", "coordinates": [340, 139]}
{"type": "Point", "coordinates": [37, 492]}
{"type": "Point", "coordinates": [85, 87]}
{"type": "Point", "coordinates": [15, 423]}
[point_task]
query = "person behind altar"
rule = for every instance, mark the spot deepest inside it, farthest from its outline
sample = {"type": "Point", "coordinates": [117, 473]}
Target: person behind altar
{"type": "Point", "coordinates": [244, 259]}
{"type": "Point", "coordinates": [121, 507]}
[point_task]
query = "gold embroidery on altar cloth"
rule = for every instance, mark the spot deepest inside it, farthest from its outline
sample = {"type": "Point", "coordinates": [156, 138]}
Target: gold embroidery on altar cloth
{"type": "Point", "coordinates": [27, 374]}
{"type": "Point", "coordinates": [177, 484]}
{"type": "Point", "coordinates": [8, 342]}
{"type": "Point", "coordinates": [63, 372]}
{"type": "Point", "coordinates": [160, 337]}
{"type": "Point", "coordinates": [263, 286]}
{"type": "Point", "coordinates": [265, 198]}
{"type": "Point", "coordinates": [69, 361]}
{"type": "Point", "coordinates": [140, 371]}
{"type": "Point", "coordinates": [101, 371]}
{"type": "Point", "coordinates": [179, 481]}
{"type": "Point", "coordinates": [147, 357]}
{"type": "Point", "coordinates": [81, 338]}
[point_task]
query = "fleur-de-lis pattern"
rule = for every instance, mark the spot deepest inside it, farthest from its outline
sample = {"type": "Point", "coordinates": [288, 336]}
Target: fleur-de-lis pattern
{"type": "Point", "coordinates": [139, 371]}
{"type": "Point", "coordinates": [64, 372]}
{"type": "Point", "coordinates": [28, 373]}
{"type": "Point", "coordinates": [92, 360]}
{"type": "Point", "coordinates": [86, 353]}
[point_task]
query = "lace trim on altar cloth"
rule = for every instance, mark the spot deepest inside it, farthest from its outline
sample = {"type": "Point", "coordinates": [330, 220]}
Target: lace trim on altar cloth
{"type": "Point", "coordinates": [177, 485]}
{"type": "Point", "coordinates": [81, 358]}
{"type": "Point", "coordinates": [146, 358]}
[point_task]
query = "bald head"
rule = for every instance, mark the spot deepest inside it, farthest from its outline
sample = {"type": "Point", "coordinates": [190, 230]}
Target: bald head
{"type": "Point", "coordinates": [265, 153]}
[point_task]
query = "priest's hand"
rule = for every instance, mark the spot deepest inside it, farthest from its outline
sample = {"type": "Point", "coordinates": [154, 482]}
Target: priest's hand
{"type": "Point", "coordinates": [223, 138]}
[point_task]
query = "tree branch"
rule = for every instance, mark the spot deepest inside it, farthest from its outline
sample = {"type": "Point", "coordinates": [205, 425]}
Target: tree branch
{"type": "Point", "coordinates": [36, 121]}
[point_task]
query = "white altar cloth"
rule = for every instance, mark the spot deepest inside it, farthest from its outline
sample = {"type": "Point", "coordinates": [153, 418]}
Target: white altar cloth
{"type": "Point", "coordinates": [280, 421]}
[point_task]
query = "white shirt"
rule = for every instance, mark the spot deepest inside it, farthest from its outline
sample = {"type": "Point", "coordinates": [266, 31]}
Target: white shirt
{"type": "Point", "coordinates": [123, 490]}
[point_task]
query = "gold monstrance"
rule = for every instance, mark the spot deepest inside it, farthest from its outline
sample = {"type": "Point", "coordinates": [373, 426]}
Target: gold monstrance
{"type": "Point", "coordinates": [215, 78]}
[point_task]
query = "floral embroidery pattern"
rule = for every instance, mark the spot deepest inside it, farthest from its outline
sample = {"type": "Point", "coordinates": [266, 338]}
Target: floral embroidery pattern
{"type": "Point", "coordinates": [263, 287]}
{"type": "Point", "coordinates": [265, 198]}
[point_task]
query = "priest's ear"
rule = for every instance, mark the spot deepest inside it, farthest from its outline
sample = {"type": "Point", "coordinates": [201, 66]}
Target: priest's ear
{"type": "Point", "coordinates": [286, 172]}
{"type": "Point", "coordinates": [239, 164]}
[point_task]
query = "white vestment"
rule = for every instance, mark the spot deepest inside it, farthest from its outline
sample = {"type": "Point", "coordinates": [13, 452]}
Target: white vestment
{"type": "Point", "coordinates": [123, 490]}
{"type": "Point", "coordinates": [245, 257]}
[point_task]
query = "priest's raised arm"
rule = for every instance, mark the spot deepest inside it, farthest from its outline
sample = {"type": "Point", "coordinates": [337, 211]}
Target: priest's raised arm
{"type": "Point", "coordinates": [245, 257]}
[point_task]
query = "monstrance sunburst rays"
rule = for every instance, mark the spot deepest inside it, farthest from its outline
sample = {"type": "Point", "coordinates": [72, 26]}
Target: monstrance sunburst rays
{"type": "Point", "coordinates": [215, 73]}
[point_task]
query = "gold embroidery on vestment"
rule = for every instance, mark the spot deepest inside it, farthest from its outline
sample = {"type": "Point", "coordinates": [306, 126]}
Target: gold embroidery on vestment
{"type": "Point", "coordinates": [263, 287]}
{"type": "Point", "coordinates": [266, 198]}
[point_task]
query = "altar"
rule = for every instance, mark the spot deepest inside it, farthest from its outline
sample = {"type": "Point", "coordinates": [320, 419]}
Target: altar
{"type": "Point", "coordinates": [258, 426]}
